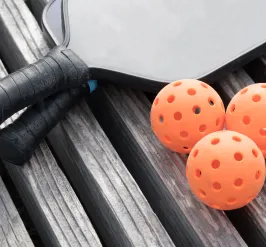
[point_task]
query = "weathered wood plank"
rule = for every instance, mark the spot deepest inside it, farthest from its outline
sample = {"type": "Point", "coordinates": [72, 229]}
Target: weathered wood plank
{"type": "Point", "coordinates": [250, 220]}
{"type": "Point", "coordinates": [125, 120]}
{"type": "Point", "coordinates": [52, 203]}
{"type": "Point", "coordinates": [160, 173]}
{"type": "Point", "coordinates": [12, 229]}
{"type": "Point", "coordinates": [112, 198]}
{"type": "Point", "coordinates": [91, 163]}
{"type": "Point", "coordinates": [54, 207]}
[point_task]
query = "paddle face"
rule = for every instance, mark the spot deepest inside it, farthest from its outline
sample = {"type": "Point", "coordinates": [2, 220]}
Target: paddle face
{"type": "Point", "coordinates": [155, 42]}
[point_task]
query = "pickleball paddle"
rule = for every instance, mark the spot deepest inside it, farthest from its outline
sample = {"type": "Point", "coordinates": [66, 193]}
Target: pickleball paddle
{"type": "Point", "coordinates": [132, 43]}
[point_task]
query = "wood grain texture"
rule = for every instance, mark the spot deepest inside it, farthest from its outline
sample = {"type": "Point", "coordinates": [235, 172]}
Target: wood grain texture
{"type": "Point", "coordinates": [115, 204]}
{"type": "Point", "coordinates": [109, 193]}
{"type": "Point", "coordinates": [12, 229]}
{"type": "Point", "coordinates": [53, 206]}
{"type": "Point", "coordinates": [159, 173]}
{"type": "Point", "coordinates": [125, 119]}
{"type": "Point", "coordinates": [250, 220]}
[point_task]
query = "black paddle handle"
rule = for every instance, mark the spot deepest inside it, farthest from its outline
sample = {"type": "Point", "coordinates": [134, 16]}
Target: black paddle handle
{"type": "Point", "coordinates": [59, 70]}
{"type": "Point", "coordinates": [19, 139]}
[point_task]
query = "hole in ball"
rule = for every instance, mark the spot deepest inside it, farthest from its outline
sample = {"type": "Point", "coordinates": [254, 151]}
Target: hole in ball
{"type": "Point", "coordinates": [211, 102]}
{"type": "Point", "coordinates": [232, 108]}
{"type": "Point", "coordinates": [178, 116]}
{"type": "Point", "coordinates": [255, 153]}
{"type": "Point", "coordinates": [231, 200]}
{"type": "Point", "coordinates": [263, 131]}
{"type": "Point", "coordinates": [156, 101]}
{"type": "Point", "coordinates": [178, 83]}
{"type": "Point", "coordinates": [167, 138]}
{"type": "Point", "coordinates": [215, 164]}
{"type": "Point", "coordinates": [191, 91]}
{"type": "Point", "coordinates": [246, 120]}
{"type": "Point", "coordinates": [204, 85]}
{"type": "Point", "coordinates": [238, 156]}
{"type": "Point", "coordinates": [195, 153]}
{"type": "Point", "coordinates": [256, 98]}
{"type": "Point", "coordinates": [216, 186]}
{"type": "Point", "coordinates": [215, 141]}
{"type": "Point", "coordinates": [202, 193]}
{"type": "Point", "coordinates": [238, 182]}
{"type": "Point", "coordinates": [236, 138]}
{"type": "Point", "coordinates": [196, 109]}
{"type": "Point", "coordinates": [258, 175]}
{"type": "Point", "coordinates": [202, 128]}
{"type": "Point", "coordinates": [161, 118]}
{"type": "Point", "coordinates": [185, 147]}
{"type": "Point", "coordinates": [170, 98]}
{"type": "Point", "coordinates": [184, 134]}
{"type": "Point", "coordinates": [198, 173]}
{"type": "Point", "coordinates": [243, 91]}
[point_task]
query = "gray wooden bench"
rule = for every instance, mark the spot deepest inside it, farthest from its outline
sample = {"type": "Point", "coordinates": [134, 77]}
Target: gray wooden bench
{"type": "Point", "coordinates": [160, 174]}
{"type": "Point", "coordinates": [127, 114]}
{"type": "Point", "coordinates": [111, 198]}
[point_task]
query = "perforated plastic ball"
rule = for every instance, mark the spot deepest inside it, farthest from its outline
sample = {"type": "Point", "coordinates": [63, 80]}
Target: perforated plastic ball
{"type": "Point", "coordinates": [225, 170]}
{"type": "Point", "coordinates": [185, 111]}
{"type": "Point", "coordinates": [246, 113]}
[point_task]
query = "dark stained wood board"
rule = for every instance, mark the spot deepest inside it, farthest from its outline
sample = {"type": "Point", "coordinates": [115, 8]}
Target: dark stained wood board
{"type": "Point", "coordinates": [114, 202]}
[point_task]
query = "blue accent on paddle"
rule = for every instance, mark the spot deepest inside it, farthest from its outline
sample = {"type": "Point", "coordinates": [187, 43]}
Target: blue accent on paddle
{"type": "Point", "coordinates": [93, 84]}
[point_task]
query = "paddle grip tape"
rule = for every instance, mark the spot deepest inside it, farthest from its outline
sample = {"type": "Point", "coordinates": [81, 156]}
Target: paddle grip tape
{"type": "Point", "coordinates": [19, 140]}
{"type": "Point", "coordinates": [59, 70]}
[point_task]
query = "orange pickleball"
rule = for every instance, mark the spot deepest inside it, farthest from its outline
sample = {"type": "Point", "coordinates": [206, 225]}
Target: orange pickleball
{"type": "Point", "coordinates": [246, 113]}
{"type": "Point", "coordinates": [185, 111]}
{"type": "Point", "coordinates": [226, 170]}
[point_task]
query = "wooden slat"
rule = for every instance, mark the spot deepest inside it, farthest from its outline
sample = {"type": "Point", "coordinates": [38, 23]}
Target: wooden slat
{"type": "Point", "coordinates": [128, 112]}
{"type": "Point", "coordinates": [250, 220]}
{"type": "Point", "coordinates": [53, 206]}
{"type": "Point", "coordinates": [160, 175]}
{"type": "Point", "coordinates": [112, 198]}
{"type": "Point", "coordinates": [12, 229]}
